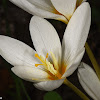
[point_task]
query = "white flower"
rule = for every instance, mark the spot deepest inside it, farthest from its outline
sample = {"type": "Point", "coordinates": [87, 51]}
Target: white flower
{"type": "Point", "coordinates": [55, 9]}
{"type": "Point", "coordinates": [50, 64]}
{"type": "Point", "coordinates": [89, 81]}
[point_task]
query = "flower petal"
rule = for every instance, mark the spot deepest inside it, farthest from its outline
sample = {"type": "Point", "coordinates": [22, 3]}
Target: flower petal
{"type": "Point", "coordinates": [76, 32]}
{"type": "Point", "coordinates": [74, 63]}
{"type": "Point", "coordinates": [35, 9]}
{"type": "Point", "coordinates": [89, 81]}
{"type": "Point", "coordinates": [16, 52]}
{"type": "Point", "coordinates": [31, 74]}
{"type": "Point", "coordinates": [45, 38]}
{"type": "Point", "coordinates": [43, 4]}
{"type": "Point", "coordinates": [65, 7]}
{"type": "Point", "coordinates": [49, 85]}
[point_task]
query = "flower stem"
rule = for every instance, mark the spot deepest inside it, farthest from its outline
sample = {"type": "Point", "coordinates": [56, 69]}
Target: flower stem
{"type": "Point", "coordinates": [18, 92]}
{"type": "Point", "coordinates": [93, 60]}
{"type": "Point", "coordinates": [76, 90]}
{"type": "Point", "coordinates": [24, 90]}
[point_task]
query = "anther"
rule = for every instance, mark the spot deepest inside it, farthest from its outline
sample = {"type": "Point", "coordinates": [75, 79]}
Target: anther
{"type": "Point", "coordinates": [36, 65]}
{"type": "Point", "coordinates": [46, 56]}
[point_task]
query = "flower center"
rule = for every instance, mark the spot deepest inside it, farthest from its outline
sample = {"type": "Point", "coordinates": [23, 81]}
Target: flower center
{"type": "Point", "coordinates": [52, 69]}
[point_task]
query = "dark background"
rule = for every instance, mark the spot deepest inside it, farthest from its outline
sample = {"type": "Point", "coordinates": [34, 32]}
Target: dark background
{"type": "Point", "coordinates": [14, 22]}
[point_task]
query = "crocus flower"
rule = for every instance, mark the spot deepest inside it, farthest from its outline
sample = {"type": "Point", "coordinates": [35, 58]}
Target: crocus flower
{"type": "Point", "coordinates": [89, 81]}
{"type": "Point", "coordinates": [50, 64]}
{"type": "Point", "coordinates": [54, 9]}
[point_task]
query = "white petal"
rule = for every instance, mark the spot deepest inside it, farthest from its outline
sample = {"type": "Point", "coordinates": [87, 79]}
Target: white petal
{"type": "Point", "coordinates": [16, 52]}
{"type": "Point", "coordinates": [76, 32]}
{"type": "Point", "coordinates": [37, 10]}
{"type": "Point", "coordinates": [43, 4]}
{"type": "Point", "coordinates": [45, 37]}
{"type": "Point", "coordinates": [89, 81]}
{"type": "Point", "coordinates": [31, 74]}
{"type": "Point", "coordinates": [49, 85]}
{"type": "Point", "coordinates": [74, 63]}
{"type": "Point", "coordinates": [65, 7]}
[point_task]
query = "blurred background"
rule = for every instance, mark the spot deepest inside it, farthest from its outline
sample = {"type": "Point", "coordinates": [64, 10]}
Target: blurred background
{"type": "Point", "coordinates": [14, 22]}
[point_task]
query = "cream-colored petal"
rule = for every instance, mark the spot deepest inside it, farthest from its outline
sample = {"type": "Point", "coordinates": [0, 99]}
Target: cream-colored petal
{"type": "Point", "coordinates": [74, 63]}
{"type": "Point", "coordinates": [31, 74]}
{"type": "Point", "coordinates": [38, 11]}
{"type": "Point", "coordinates": [89, 81]}
{"type": "Point", "coordinates": [65, 7]}
{"type": "Point", "coordinates": [45, 37]}
{"type": "Point", "coordinates": [76, 32]}
{"type": "Point", "coordinates": [16, 52]}
{"type": "Point", "coordinates": [43, 4]}
{"type": "Point", "coordinates": [49, 85]}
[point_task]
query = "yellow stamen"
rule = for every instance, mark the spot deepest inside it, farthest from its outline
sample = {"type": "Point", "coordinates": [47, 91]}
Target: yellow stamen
{"type": "Point", "coordinates": [36, 65]}
{"type": "Point", "coordinates": [54, 61]}
{"type": "Point", "coordinates": [46, 56]}
{"type": "Point", "coordinates": [50, 68]}
{"type": "Point", "coordinates": [37, 56]}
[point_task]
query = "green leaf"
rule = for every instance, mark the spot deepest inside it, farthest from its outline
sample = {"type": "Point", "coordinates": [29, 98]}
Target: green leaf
{"type": "Point", "coordinates": [52, 96]}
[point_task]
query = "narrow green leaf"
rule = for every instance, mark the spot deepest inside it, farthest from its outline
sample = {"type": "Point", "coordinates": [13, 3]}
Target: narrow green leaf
{"type": "Point", "coordinates": [52, 96]}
